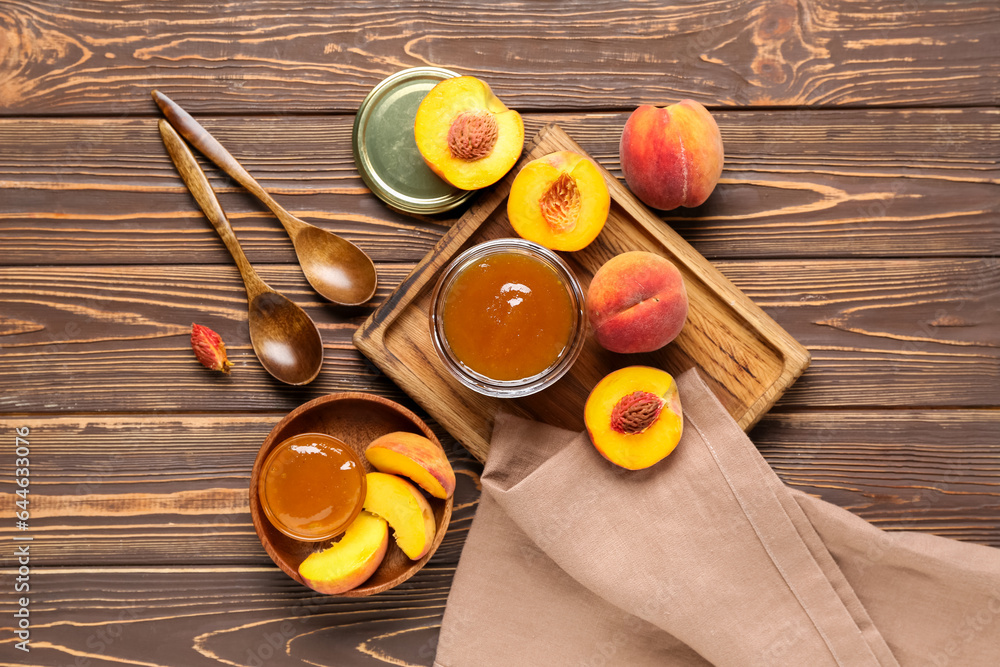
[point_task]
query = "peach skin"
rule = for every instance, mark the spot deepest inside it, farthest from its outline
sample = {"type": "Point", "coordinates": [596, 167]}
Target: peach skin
{"type": "Point", "coordinates": [672, 156]}
{"type": "Point", "coordinates": [636, 302]}
{"type": "Point", "coordinates": [415, 457]}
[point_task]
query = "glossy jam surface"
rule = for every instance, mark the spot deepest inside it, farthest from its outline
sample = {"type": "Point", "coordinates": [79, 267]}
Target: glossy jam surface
{"type": "Point", "coordinates": [508, 316]}
{"type": "Point", "coordinates": [312, 486]}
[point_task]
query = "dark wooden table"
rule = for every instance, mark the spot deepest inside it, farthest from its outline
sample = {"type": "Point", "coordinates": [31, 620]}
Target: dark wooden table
{"type": "Point", "coordinates": [858, 207]}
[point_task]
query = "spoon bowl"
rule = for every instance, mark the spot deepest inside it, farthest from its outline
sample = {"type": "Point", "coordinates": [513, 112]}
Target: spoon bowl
{"type": "Point", "coordinates": [330, 265]}
{"type": "Point", "coordinates": [337, 269]}
{"type": "Point", "coordinates": [284, 338]}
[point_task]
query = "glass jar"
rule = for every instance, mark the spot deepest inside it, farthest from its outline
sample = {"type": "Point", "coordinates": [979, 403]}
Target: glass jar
{"type": "Point", "coordinates": [312, 487]}
{"type": "Point", "coordinates": [507, 318]}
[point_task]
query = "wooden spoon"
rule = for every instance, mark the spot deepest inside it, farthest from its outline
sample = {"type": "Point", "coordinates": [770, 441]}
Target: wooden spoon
{"type": "Point", "coordinates": [283, 336]}
{"type": "Point", "coordinates": [336, 268]}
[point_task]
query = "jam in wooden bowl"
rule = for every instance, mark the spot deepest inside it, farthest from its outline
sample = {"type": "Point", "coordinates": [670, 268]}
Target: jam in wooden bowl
{"type": "Point", "coordinates": [356, 419]}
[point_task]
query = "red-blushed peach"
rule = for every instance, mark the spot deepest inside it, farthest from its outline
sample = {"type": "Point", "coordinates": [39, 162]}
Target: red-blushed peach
{"type": "Point", "coordinates": [559, 200]}
{"type": "Point", "coordinates": [636, 302]}
{"type": "Point", "coordinates": [415, 457]}
{"type": "Point", "coordinates": [671, 156]}
{"type": "Point", "coordinates": [350, 561]}
{"type": "Point", "coordinates": [409, 514]}
{"type": "Point", "coordinates": [634, 416]}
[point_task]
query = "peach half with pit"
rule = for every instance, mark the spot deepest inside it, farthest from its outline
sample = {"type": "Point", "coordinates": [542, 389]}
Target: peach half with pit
{"type": "Point", "coordinates": [634, 416]}
{"type": "Point", "coordinates": [415, 457]}
{"type": "Point", "coordinates": [466, 135]}
{"type": "Point", "coordinates": [560, 201]}
{"type": "Point", "coordinates": [636, 302]}
{"type": "Point", "coordinates": [351, 560]}
{"type": "Point", "coordinates": [671, 156]}
{"type": "Point", "coordinates": [402, 505]}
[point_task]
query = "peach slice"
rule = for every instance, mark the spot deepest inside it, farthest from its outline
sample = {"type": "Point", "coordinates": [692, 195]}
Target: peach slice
{"type": "Point", "coordinates": [637, 302]}
{"type": "Point", "coordinates": [560, 201]}
{"type": "Point", "coordinates": [466, 135]}
{"type": "Point", "coordinates": [634, 416]}
{"type": "Point", "coordinates": [405, 508]}
{"type": "Point", "coordinates": [350, 561]}
{"type": "Point", "coordinates": [413, 456]}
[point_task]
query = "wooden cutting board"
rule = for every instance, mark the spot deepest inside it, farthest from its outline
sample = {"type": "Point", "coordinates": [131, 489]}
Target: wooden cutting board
{"type": "Point", "coordinates": [745, 357]}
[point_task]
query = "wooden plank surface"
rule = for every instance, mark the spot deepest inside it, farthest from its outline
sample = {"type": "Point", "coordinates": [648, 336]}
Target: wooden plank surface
{"type": "Point", "coordinates": [276, 56]}
{"type": "Point", "coordinates": [110, 501]}
{"type": "Point", "coordinates": [802, 183]}
{"type": "Point", "coordinates": [216, 597]}
{"type": "Point", "coordinates": [197, 616]}
{"type": "Point", "coordinates": [881, 332]}
{"type": "Point", "coordinates": [898, 469]}
{"type": "Point", "coordinates": [859, 207]}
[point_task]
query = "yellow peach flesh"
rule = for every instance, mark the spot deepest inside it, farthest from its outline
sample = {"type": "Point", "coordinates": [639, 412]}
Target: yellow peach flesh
{"type": "Point", "coordinates": [465, 107]}
{"type": "Point", "coordinates": [350, 561]}
{"type": "Point", "coordinates": [559, 201]}
{"type": "Point", "coordinates": [656, 438]}
{"type": "Point", "coordinates": [405, 509]}
{"type": "Point", "coordinates": [415, 457]}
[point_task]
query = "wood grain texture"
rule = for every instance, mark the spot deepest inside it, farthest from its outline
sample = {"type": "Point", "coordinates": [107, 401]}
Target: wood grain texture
{"type": "Point", "coordinates": [276, 56]}
{"type": "Point", "coordinates": [801, 183]}
{"type": "Point", "coordinates": [193, 616]}
{"type": "Point", "coordinates": [881, 333]}
{"type": "Point", "coordinates": [107, 501]}
{"type": "Point", "coordinates": [926, 332]}
{"type": "Point", "coordinates": [744, 356]}
{"type": "Point", "coordinates": [871, 234]}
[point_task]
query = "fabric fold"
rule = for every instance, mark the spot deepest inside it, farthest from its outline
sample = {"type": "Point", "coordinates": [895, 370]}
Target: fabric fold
{"type": "Point", "coordinates": [707, 557]}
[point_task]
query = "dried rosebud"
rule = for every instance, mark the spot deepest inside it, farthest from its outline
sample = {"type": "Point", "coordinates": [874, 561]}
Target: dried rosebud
{"type": "Point", "coordinates": [209, 349]}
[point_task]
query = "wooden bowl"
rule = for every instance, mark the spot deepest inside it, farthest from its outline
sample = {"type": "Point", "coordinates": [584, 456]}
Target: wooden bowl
{"type": "Point", "coordinates": [357, 419]}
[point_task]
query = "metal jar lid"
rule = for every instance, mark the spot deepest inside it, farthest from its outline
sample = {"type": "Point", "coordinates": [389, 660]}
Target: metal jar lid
{"type": "Point", "coordinates": [385, 151]}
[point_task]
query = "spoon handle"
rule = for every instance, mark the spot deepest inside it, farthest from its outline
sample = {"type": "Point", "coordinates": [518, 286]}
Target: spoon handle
{"type": "Point", "coordinates": [200, 138]}
{"type": "Point", "coordinates": [196, 181]}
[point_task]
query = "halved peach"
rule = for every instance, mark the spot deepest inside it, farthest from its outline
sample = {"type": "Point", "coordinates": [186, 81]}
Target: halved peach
{"type": "Point", "coordinates": [350, 561]}
{"type": "Point", "coordinates": [560, 201]}
{"type": "Point", "coordinates": [634, 416]}
{"type": "Point", "coordinates": [405, 508]}
{"type": "Point", "coordinates": [466, 135]}
{"type": "Point", "coordinates": [413, 456]}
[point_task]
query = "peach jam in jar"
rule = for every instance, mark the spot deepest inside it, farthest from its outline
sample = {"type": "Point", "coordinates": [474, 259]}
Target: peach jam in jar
{"type": "Point", "coordinates": [312, 486]}
{"type": "Point", "coordinates": [507, 317]}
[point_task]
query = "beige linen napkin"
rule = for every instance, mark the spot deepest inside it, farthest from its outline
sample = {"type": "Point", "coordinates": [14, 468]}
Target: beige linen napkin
{"type": "Point", "coordinates": [705, 558]}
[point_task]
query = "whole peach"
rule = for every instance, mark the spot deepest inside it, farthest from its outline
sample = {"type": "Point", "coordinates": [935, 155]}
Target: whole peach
{"type": "Point", "coordinates": [671, 156]}
{"type": "Point", "coordinates": [636, 302]}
